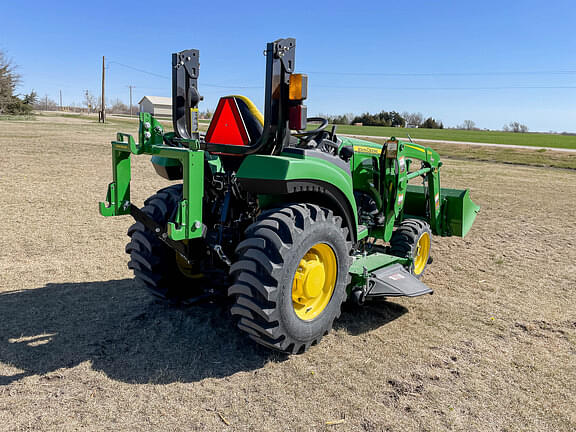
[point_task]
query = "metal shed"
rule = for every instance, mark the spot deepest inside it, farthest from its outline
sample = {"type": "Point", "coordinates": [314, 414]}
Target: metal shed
{"type": "Point", "coordinates": [156, 105]}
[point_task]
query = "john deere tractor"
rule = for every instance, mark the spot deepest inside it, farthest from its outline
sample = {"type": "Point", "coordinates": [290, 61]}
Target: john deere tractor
{"type": "Point", "coordinates": [276, 212]}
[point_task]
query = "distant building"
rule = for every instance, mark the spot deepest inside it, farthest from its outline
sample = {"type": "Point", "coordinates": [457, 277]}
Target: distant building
{"type": "Point", "coordinates": [156, 105]}
{"type": "Point", "coordinates": [411, 126]}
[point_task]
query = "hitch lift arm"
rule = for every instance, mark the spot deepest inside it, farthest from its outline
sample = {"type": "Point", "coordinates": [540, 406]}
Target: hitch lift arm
{"type": "Point", "coordinates": [188, 223]}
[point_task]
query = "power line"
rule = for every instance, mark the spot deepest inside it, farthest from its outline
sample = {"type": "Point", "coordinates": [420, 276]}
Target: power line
{"type": "Point", "coordinates": [139, 70]}
{"type": "Point", "coordinates": [423, 74]}
{"type": "Point", "coordinates": [166, 77]}
{"type": "Point", "coordinates": [390, 74]}
{"type": "Point", "coordinates": [435, 74]}
{"type": "Point", "coordinates": [447, 88]}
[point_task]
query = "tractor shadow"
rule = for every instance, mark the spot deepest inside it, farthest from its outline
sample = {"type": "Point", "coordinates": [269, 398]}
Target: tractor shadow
{"type": "Point", "coordinates": [356, 320]}
{"type": "Point", "coordinates": [132, 338]}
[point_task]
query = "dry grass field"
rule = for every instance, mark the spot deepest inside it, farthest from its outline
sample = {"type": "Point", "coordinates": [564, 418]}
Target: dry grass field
{"type": "Point", "coordinates": [81, 348]}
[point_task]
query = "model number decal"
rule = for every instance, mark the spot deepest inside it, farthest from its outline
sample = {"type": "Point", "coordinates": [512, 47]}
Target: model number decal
{"type": "Point", "coordinates": [366, 149]}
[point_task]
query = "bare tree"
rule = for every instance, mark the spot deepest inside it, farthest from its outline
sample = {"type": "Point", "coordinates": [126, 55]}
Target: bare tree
{"type": "Point", "coordinates": [515, 127]}
{"type": "Point", "coordinates": [414, 119]}
{"type": "Point", "coordinates": [206, 114]}
{"type": "Point", "coordinates": [469, 125]}
{"type": "Point", "coordinates": [75, 107]}
{"type": "Point", "coordinates": [45, 104]}
{"type": "Point", "coordinates": [118, 107]}
{"type": "Point", "coordinates": [349, 117]}
{"type": "Point", "coordinates": [90, 101]}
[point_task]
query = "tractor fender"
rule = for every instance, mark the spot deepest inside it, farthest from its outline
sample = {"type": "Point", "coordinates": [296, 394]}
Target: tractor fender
{"type": "Point", "coordinates": [283, 179]}
{"type": "Point", "coordinates": [275, 192]}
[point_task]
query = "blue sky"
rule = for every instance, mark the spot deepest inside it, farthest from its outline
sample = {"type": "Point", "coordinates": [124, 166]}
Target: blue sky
{"type": "Point", "coordinates": [489, 61]}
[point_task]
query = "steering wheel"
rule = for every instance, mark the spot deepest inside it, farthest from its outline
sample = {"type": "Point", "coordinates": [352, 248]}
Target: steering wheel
{"type": "Point", "coordinates": [310, 133]}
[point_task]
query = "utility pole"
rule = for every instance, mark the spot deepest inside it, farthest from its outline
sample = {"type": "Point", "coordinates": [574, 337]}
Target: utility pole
{"type": "Point", "coordinates": [102, 116]}
{"type": "Point", "coordinates": [46, 103]}
{"type": "Point", "coordinates": [130, 87]}
{"type": "Point", "coordinates": [60, 100]}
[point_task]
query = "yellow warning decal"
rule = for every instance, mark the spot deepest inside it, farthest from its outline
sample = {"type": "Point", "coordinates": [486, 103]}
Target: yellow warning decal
{"type": "Point", "coordinates": [369, 150]}
{"type": "Point", "coordinates": [194, 120]}
{"type": "Point", "coordinates": [416, 148]}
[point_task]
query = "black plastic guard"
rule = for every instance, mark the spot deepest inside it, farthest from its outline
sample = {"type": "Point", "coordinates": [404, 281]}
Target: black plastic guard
{"type": "Point", "coordinates": [395, 281]}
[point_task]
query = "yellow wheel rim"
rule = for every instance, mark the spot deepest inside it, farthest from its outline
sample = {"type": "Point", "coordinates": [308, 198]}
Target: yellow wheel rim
{"type": "Point", "coordinates": [422, 253]}
{"type": "Point", "coordinates": [314, 281]}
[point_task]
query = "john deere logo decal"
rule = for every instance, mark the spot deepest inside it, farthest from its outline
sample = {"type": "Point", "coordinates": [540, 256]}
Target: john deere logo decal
{"type": "Point", "coordinates": [369, 150]}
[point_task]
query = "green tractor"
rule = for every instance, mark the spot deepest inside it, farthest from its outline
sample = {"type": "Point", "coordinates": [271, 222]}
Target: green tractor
{"type": "Point", "coordinates": [284, 219]}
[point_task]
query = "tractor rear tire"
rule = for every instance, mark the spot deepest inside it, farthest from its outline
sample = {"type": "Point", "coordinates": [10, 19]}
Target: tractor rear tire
{"type": "Point", "coordinates": [154, 263]}
{"type": "Point", "coordinates": [291, 277]}
{"type": "Point", "coordinates": [412, 239]}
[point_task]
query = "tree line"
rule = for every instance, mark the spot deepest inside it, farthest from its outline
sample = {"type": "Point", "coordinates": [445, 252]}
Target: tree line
{"type": "Point", "coordinates": [407, 119]}
{"type": "Point", "coordinates": [388, 119]}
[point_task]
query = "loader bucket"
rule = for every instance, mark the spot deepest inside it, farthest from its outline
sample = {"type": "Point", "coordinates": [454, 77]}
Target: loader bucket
{"type": "Point", "coordinates": [458, 211]}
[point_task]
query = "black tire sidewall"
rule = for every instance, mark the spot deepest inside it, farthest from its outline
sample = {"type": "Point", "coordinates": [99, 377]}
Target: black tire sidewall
{"type": "Point", "coordinates": [318, 232]}
{"type": "Point", "coordinates": [169, 282]}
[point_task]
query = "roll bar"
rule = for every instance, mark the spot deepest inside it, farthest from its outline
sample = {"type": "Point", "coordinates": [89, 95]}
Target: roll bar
{"type": "Point", "coordinates": [280, 60]}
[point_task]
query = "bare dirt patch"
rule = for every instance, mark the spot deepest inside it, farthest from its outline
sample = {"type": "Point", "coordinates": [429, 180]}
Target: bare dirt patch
{"type": "Point", "coordinates": [81, 348]}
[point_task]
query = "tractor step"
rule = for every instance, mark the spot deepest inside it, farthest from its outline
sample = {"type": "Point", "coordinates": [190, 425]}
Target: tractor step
{"type": "Point", "coordinates": [395, 281]}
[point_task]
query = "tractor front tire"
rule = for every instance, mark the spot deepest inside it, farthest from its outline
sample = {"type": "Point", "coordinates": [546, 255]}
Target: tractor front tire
{"type": "Point", "coordinates": [412, 239]}
{"type": "Point", "coordinates": [291, 277]}
{"type": "Point", "coordinates": [154, 263]}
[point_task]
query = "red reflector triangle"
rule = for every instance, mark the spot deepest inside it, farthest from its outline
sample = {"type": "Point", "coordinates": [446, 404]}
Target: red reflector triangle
{"type": "Point", "coordinates": [227, 126]}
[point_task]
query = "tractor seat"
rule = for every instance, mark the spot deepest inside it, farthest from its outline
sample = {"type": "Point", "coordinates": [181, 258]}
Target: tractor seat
{"type": "Point", "coordinates": [236, 122]}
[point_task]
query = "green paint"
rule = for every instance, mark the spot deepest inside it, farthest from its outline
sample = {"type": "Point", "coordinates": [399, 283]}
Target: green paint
{"type": "Point", "coordinates": [296, 167]}
{"type": "Point", "coordinates": [363, 265]}
{"type": "Point", "coordinates": [374, 261]}
{"type": "Point", "coordinates": [188, 224]}
{"type": "Point", "coordinates": [450, 211]}
{"type": "Point", "coordinates": [118, 196]}
{"type": "Point", "coordinates": [458, 210]}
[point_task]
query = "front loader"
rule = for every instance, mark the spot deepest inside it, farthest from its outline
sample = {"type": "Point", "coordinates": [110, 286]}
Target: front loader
{"type": "Point", "coordinates": [275, 212]}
